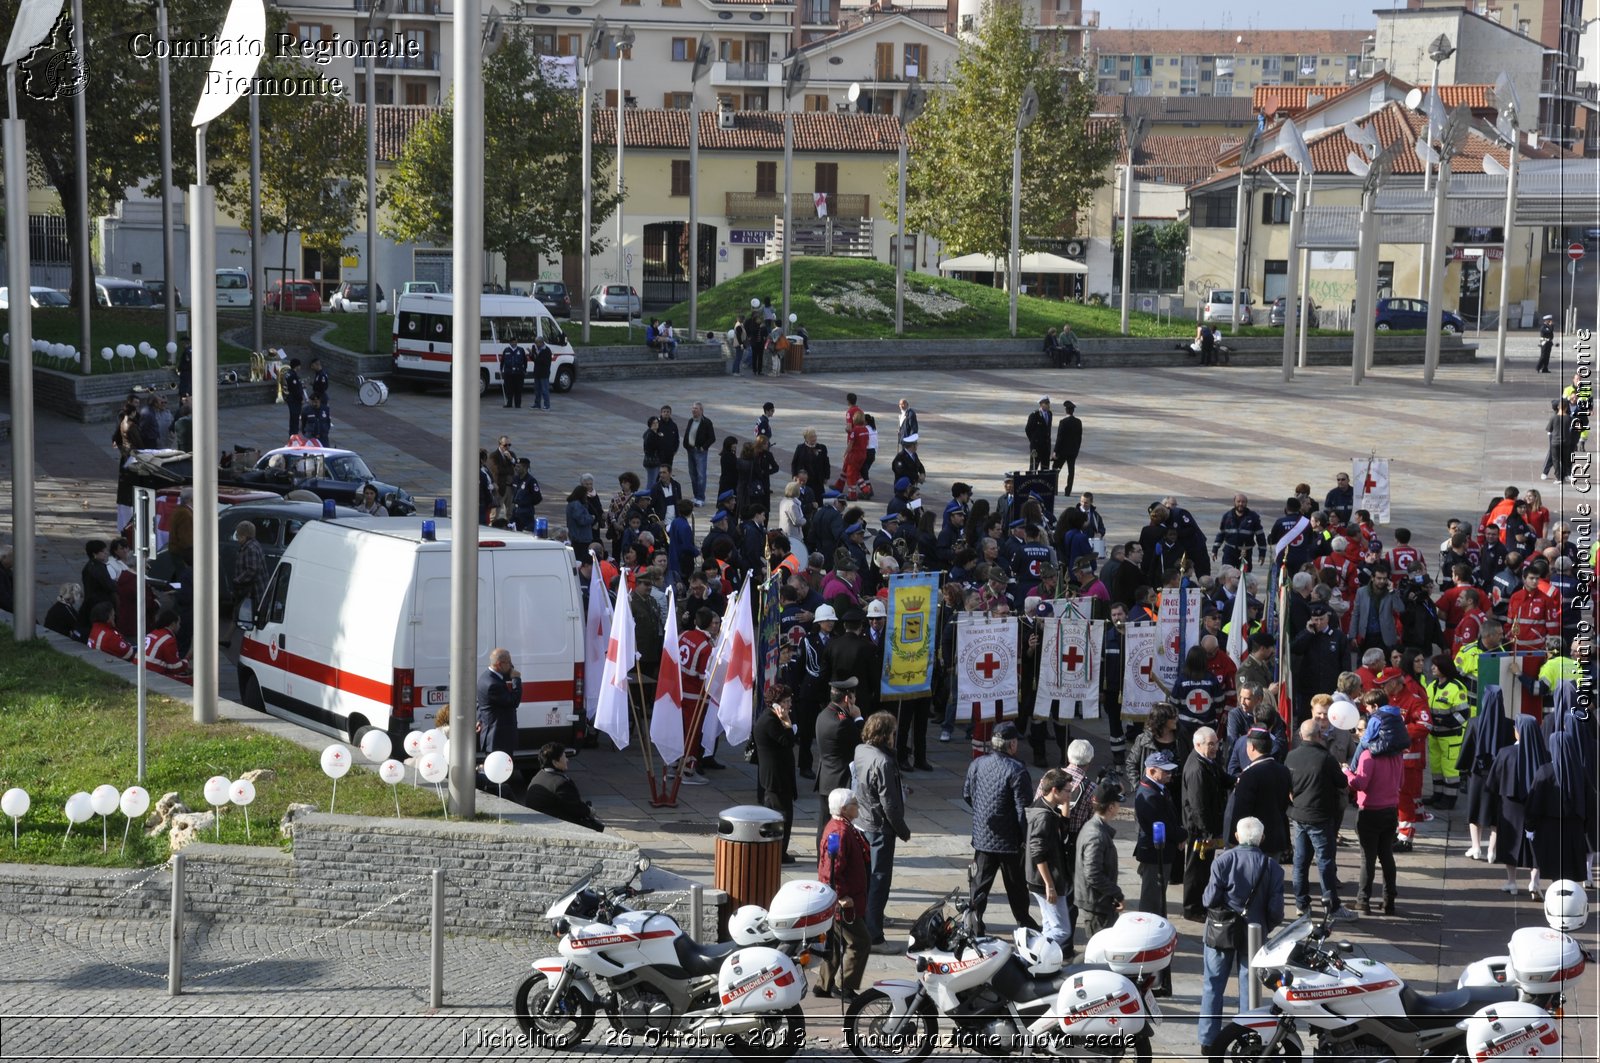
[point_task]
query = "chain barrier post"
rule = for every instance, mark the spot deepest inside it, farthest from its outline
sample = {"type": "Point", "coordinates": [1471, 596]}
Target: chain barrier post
{"type": "Point", "coordinates": [697, 900]}
{"type": "Point", "coordinates": [175, 938]}
{"type": "Point", "coordinates": [1253, 945]}
{"type": "Point", "coordinates": [436, 943]}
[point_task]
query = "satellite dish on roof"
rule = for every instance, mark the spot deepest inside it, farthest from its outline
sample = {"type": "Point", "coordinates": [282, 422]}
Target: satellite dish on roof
{"type": "Point", "coordinates": [1493, 166]}
{"type": "Point", "coordinates": [1425, 152]}
{"type": "Point", "coordinates": [1414, 100]}
{"type": "Point", "coordinates": [853, 93]}
{"type": "Point", "coordinates": [1356, 164]}
{"type": "Point", "coordinates": [1361, 135]}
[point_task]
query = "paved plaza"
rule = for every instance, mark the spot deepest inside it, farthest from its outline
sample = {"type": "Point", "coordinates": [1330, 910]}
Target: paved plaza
{"type": "Point", "coordinates": [94, 989]}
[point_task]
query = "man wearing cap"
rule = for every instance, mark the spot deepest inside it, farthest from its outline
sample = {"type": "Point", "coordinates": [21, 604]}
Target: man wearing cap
{"type": "Point", "coordinates": [952, 537]}
{"type": "Point", "coordinates": [1038, 433]}
{"type": "Point", "coordinates": [294, 394]}
{"type": "Point", "coordinates": [1069, 440]}
{"type": "Point", "coordinates": [908, 423]}
{"type": "Point", "coordinates": [852, 655]}
{"type": "Point", "coordinates": [1161, 834]}
{"type": "Point", "coordinates": [905, 502]}
{"type": "Point", "coordinates": [906, 465]}
{"type": "Point", "coordinates": [1318, 655]}
{"type": "Point", "coordinates": [525, 495]}
{"type": "Point", "coordinates": [838, 734]}
{"type": "Point", "coordinates": [999, 790]}
{"type": "Point", "coordinates": [961, 497]}
{"type": "Point", "coordinates": [719, 542]}
{"type": "Point", "coordinates": [825, 529]}
{"type": "Point", "coordinates": [813, 692]}
{"type": "Point", "coordinates": [1547, 339]}
{"type": "Point", "coordinates": [1239, 531]}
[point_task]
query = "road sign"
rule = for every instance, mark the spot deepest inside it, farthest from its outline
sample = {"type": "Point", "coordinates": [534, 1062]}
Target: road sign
{"type": "Point", "coordinates": [1575, 251]}
{"type": "Point", "coordinates": [627, 260]}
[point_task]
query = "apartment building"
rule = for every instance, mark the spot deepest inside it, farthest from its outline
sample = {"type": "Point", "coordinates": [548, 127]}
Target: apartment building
{"type": "Point", "coordinates": [1171, 62]}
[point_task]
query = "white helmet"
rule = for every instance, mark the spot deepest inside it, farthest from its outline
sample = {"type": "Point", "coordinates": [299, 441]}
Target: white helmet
{"type": "Point", "coordinates": [1042, 955]}
{"type": "Point", "coordinates": [824, 612]}
{"type": "Point", "coordinates": [876, 608]}
{"type": "Point", "coordinates": [749, 925]}
{"type": "Point", "coordinates": [1566, 906]}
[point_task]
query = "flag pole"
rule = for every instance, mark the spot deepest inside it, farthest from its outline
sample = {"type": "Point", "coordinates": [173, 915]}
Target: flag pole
{"type": "Point", "coordinates": [696, 719]}
{"type": "Point", "coordinates": [642, 723]}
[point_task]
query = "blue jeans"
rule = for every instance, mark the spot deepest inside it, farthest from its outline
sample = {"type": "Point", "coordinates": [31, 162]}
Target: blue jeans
{"type": "Point", "coordinates": [1216, 968]}
{"type": "Point", "coordinates": [1055, 920]}
{"type": "Point", "coordinates": [881, 843]}
{"type": "Point", "coordinates": [1319, 840]}
{"type": "Point", "coordinates": [697, 473]}
{"type": "Point", "coordinates": [541, 391]}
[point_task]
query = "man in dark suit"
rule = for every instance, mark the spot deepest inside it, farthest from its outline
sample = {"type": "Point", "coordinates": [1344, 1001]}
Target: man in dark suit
{"type": "Point", "coordinates": [1038, 432]}
{"type": "Point", "coordinates": [838, 734]}
{"type": "Point", "coordinates": [499, 694]}
{"type": "Point", "coordinates": [1069, 440]}
{"type": "Point", "coordinates": [774, 735]}
{"type": "Point", "coordinates": [853, 656]}
{"type": "Point", "coordinates": [1262, 791]}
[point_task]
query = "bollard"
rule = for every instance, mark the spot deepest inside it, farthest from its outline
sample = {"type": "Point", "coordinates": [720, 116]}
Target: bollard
{"type": "Point", "coordinates": [697, 900]}
{"type": "Point", "coordinates": [436, 944]}
{"type": "Point", "coordinates": [175, 939]}
{"type": "Point", "coordinates": [1252, 940]}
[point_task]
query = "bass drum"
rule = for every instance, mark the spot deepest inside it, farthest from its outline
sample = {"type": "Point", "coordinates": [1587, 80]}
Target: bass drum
{"type": "Point", "coordinates": [372, 393]}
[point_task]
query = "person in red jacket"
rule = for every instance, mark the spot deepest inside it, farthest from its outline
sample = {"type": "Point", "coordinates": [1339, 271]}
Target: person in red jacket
{"type": "Point", "coordinates": [1466, 631]}
{"type": "Point", "coordinates": [843, 858]}
{"type": "Point", "coordinates": [161, 653]}
{"type": "Point", "coordinates": [1414, 711]}
{"type": "Point", "coordinates": [104, 636]}
{"type": "Point", "coordinates": [1531, 617]}
{"type": "Point", "coordinates": [855, 456]}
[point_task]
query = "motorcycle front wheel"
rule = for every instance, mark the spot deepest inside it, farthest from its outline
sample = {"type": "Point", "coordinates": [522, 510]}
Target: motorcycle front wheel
{"type": "Point", "coordinates": [569, 1024]}
{"type": "Point", "coordinates": [778, 1037]}
{"type": "Point", "coordinates": [866, 1022]}
{"type": "Point", "coordinates": [1239, 1044]}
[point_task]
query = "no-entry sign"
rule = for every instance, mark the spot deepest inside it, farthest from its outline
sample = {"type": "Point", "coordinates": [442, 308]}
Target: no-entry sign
{"type": "Point", "coordinates": [1575, 251]}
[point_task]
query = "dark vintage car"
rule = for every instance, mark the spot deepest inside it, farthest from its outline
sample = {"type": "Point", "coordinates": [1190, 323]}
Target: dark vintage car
{"type": "Point", "coordinates": [326, 472]}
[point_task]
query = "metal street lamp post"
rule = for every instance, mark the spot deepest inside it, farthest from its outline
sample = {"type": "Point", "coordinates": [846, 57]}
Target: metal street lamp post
{"type": "Point", "coordinates": [1133, 130]}
{"type": "Point", "coordinates": [1451, 138]}
{"type": "Point", "coordinates": [795, 77]}
{"type": "Point", "coordinates": [377, 7]}
{"type": "Point", "coordinates": [623, 41]}
{"type": "Point", "coordinates": [256, 286]}
{"type": "Point", "coordinates": [168, 263]}
{"type": "Point", "coordinates": [1439, 50]}
{"type": "Point", "coordinates": [594, 48]}
{"type": "Point", "coordinates": [1027, 111]}
{"type": "Point", "coordinates": [1373, 174]}
{"type": "Point", "coordinates": [80, 157]}
{"type": "Point", "coordinates": [1510, 108]}
{"type": "Point", "coordinates": [1248, 153]}
{"type": "Point", "coordinates": [703, 54]}
{"type": "Point", "coordinates": [20, 316]}
{"type": "Point", "coordinates": [915, 101]}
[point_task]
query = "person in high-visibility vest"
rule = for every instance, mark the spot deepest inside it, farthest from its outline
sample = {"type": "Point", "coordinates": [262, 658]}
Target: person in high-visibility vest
{"type": "Point", "coordinates": [1489, 640]}
{"type": "Point", "coordinates": [1449, 709]}
{"type": "Point", "coordinates": [1558, 669]}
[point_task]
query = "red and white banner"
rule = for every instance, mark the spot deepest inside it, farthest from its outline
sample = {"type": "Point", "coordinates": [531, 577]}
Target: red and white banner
{"type": "Point", "coordinates": [736, 701]}
{"type": "Point", "coordinates": [986, 668]}
{"type": "Point", "coordinates": [1139, 690]}
{"type": "Point", "coordinates": [1176, 639]}
{"type": "Point", "coordinates": [611, 711]}
{"type": "Point", "coordinates": [1069, 664]}
{"type": "Point", "coordinates": [666, 716]}
{"type": "Point", "coordinates": [595, 634]}
{"type": "Point", "coordinates": [1371, 479]}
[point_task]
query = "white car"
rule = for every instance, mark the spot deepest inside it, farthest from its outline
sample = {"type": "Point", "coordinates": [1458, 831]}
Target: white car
{"type": "Point", "coordinates": [1219, 306]}
{"type": "Point", "coordinates": [37, 297]}
{"type": "Point", "coordinates": [351, 298]}
{"type": "Point", "coordinates": [233, 288]}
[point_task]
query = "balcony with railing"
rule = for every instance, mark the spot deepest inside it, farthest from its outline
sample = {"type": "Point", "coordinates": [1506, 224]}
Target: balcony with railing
{"type": "Point", "coordinates": [738, 72]}
{"type": "Point", "coordinates": [770, 204]}
{"type": "Point", "coordinates": [1067, 18]}
{"type": "Point", "coordinates": [420, 61]}
{"type": "Point", "coordinates": [403, 7]}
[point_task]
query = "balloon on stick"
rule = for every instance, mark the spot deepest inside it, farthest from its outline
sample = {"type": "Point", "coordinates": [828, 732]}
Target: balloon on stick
{"type": "Point", "coordinates": [241, 793]}
{"type": "Point", "coordinates": [335, 763]}
{"type": "Point", "coordinates": [391, 772]}
{"type": "Point", "coordinates": [135, 800]}
{"type": "Point", "coordinates": [413, 748]}
{"type": "Point", "coordinates": [216, 792]}
{"type": "Point", "coordinates": [376, 747]}
{"type": "Point", "coordinates": [78, 810]}
{"type": "Point", "coordinates": [104, 801]}
{"type": "Point", "coordinates": [434, 769]}
{"type": "Point", "coordinates": [497, 768]}
{"type": "Point", "coordinates": [15, 803]}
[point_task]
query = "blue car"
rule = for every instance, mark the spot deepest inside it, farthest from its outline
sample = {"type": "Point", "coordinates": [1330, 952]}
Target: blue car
{"type": "Point", "coordinates": [1413, 314]}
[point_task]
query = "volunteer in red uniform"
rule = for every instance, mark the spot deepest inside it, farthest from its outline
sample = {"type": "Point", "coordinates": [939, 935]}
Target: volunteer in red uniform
{"type": "Point", "coordinates": [1403, 557]}
{"type": "Point", "coordinates": [1418, 722]}
{"type": "Point", "coordinates": [694, 668]}
{"type": "Point", "coordinates": [161, 653]}
{"type": "Point", "coordinates": [1466, 632]}
{"type": "Point", "coordinates": [104, 636]}
{"type": "Point", "coordinates": [1531, 617]}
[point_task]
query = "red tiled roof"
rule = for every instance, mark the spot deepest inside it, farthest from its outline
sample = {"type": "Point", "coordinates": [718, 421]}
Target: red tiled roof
{"type": "Point", "coordinates": [1289, 101]}
{"type": "Point", "coordinates": [754, 131]}
{"type": "Point", "coordinates": [394, 124]}
{"type": "Point", "coordinates": [1179, 160]}
{"type": "Point", "coordinates": [1227, 42]}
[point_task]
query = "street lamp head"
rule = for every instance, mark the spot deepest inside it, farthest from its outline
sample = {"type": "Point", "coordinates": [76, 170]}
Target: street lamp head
{"type": "Point", "coordinates": [1440, 49]}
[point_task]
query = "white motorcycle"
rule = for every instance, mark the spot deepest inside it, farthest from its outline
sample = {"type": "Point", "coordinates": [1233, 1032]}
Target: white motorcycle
{"type": "Point", "coordinates": [1540, 962]}
{"type": "Point", "coordinates": [1005, 997]}
{"type": "Point", "coordinates": [1356, 1008]}
{"type": "Point", "coordinates": [659, 986]}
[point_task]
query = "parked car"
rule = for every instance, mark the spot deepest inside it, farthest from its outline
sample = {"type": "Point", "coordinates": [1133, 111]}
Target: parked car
{"type": "Point", "coordinates": [554, 296]}
{"type": "Point", "coordinates": [615, 300]}
{"type": "Point", "coordinates": [1413, 314]}
{"type": "Point", "coordinates": [326, 472]}
{"type": "Point", "coordinates": [277, 521]}
{"type": "Point", "coordinates": [416, 287]}
{"type": "Point", "coordinates": [294, 295]}
{"type": "Point", "coordinates": [233, 287]}
{"type": "Point", "coordinates": [1275, 314]}
{"type": "Point", "coordinates": [37, 297]}
{"type": "Point", "coordinates": [1219, 306]}
{"type": "Point", "coordinates": [115, 291]}
{"type": "Point", "coordinates": [351, 298]}
{"type": "Point", "coordinates": [158, 293]}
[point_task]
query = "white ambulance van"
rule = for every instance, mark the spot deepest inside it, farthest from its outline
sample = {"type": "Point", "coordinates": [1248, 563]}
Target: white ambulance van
{"type": "Point", "coordinates": [353, 629]}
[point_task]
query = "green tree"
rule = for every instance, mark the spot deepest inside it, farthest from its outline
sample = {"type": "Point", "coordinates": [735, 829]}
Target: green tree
{"type": "Point", "coordinates": [958, 187]}
{"type": "Point", "coordinates": [533, 187]}
{"type": "Point", "coordinates": [313, 164]}
{"type": "Point", "coordinates": [1159, 254]}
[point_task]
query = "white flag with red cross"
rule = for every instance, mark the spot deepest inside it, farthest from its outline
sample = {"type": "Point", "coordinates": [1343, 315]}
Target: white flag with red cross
{"type": "Point", "coordinates": [666, 716]}
{"type": "Point", "coordinates": [595, 636]}
{"type": "Point", "coordinates": [1370, 477]}
{"type": "Point", "coordinates": [736, 701]}
{"type": "Point", "coordinates": [1070, 665]}
{"type": "Point", "coordinates": [986, 668]}
{"type": "Point", "coordinates": [1140, 693]}
{"type": "Point", "coordinates": [611, 709]}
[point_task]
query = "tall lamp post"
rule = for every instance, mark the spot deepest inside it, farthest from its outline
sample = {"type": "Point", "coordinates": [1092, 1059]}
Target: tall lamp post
{"type": "Point", "coordinates": [1451, 137]}
{"type": "Point", "coordinates": [1505, 97]}
{"type": "Point", "coordinates": [795, 76]}
{"type": "Point", "coordinates": [1027, 111]}
{"type": "Point", "coordinates": [1294, 146]}
{"type": "Point", "coordinates": [246, 22]}
{"type": "Point", "coordinates": [256, 286]}
{"type": "Point", "coordinates": [1133, 132]}
{"type": "Point", "coordinates": [622, 42]}
{"type": "Point", "coordinates": [704, 52]}
{"type": "Point", "coordinates": [168, 263]}
{"type": "Point", "coordinates": [593, 50]}
{"type": "Point", "coordinates": [1439, 50]}
{"type": "Point", "coordinates": [1248, 153]}
{"type": "Point", "coordinates": [1372, 174]}
{"type": "Point", "coordinates": [375, 8]}
{"type": "Point", "coordinates": [915, 100]}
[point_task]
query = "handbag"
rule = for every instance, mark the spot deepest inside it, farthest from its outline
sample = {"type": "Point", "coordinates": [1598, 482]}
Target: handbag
{"type": "Point", "coordinates": [1224, 926]}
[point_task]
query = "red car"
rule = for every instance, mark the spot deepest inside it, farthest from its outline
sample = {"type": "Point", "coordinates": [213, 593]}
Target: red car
{"type": "Point", "coordinates": [294, 295]}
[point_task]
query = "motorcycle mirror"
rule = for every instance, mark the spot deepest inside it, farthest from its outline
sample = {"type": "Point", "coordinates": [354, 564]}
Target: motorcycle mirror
{"type": "Point", "coordinates": [1346, 946]}
{"type": "Point", "coordinates": [643, 864]}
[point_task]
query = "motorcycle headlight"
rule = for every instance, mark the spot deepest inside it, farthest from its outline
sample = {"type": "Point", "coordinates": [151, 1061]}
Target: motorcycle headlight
{"type": "Point", "coordinates": [559, 927]}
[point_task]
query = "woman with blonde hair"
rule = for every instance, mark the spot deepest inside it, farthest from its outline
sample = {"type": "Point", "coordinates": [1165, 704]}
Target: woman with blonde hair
{"type": "Point", "coordinates": [65, 617]}
{"type": "Point", "coordinates": [792, 519]}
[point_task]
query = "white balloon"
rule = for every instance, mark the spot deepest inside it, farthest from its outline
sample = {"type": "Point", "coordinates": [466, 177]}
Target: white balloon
{"type": "Point", "coordinates": [79, 807]}
{"type": "Point", "coordinates": [1344, 715]}
{"type": "Point", "coordinates": [497, 766]}
{"type": "Point", "coordinates": [391, 771]}
{"type": "Point", "coordinates": [732, 335]}
{"type": "Point", "coordinates": [413, 742]}
{"type": "Point", "coordinates": [335, 761]}
{"type": "Point", "coordinates": [105, 799]}
{"type": "Point", "coordinates": [135, 801]}
{"type": "Point", "coordinates": [217, 789]}
{"type": "Point", "coordinates": [242, 792]}
{"type": "Point", "coordinates": [107, 353]}
{"type": "Point", "coordinates": [755, 304]}
{"type": "Point", "coordinates": [375, 746]}
{"type": "Point", "coordinates": [433, 739]}
{"type": "Point", "coordinates": [15, 802]}
{"type": "Point", "coordinates": [433, 767]}
{"type": "Point", "coordinates": [124, 350]}
{"type": "Point", "coordinates": [172, 348]}
{"type": "Point", "coordinates": [793, 318]}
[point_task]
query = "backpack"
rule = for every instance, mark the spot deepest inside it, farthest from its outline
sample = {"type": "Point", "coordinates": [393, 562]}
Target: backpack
{"type": "Point", "coordinates": [1392, 738]}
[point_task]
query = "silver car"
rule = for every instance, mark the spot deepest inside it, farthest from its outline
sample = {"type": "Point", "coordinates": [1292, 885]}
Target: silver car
{"type": "Point", "coordinates": [615, 300]}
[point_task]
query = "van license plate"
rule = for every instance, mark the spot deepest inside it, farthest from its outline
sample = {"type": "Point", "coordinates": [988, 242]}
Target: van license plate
{"type": "Point", "coordinates": [438, 695]}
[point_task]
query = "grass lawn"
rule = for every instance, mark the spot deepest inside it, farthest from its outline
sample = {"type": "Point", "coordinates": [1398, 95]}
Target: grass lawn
{"type": "Point", "coordinates": [837, 298]}
{"type": "Point", "coordinates": [110, 326]}
{"type": "Point", "coordinates": [68, 727]}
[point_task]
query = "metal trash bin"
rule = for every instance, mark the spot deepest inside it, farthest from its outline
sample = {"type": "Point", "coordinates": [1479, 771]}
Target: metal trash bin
{"type": "Point", "coordinates": [748, 862]}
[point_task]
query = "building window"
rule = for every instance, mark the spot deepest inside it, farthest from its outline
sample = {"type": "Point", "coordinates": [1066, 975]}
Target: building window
{"type": "Point", "coordinates": [1188, 87]}
{"type": "Point", "coordinates": [1141, 66]}
{"type": "Point", "coordinates": [1172, 85]}
{"type": "Point", "coordinates": [683, 49]}
{"type": "Point", "coordinates": [1142, 86]}
{"type": "Point", "coordinates": [1271, 66]}
{"type": "Point", "coordinates": [1223, 87]}
{"type": "Point", "coordinates": [827, 179]}
{"type": "Point", "coordinates": [883, 62]}
{"type": "Point", "coordinates": [1213, 212]}
{"type": "Point", "coordinates": [676, 101]}
{"type": "Point", "coordinates": [680, 177]}
{"type": "Point", "coordinates": [819, 11]}
{"type": "Point", "coordinates": [755, 101]}
{"type": "Point", "coordinates": [1108, 64]}
{"type": "Point", "coordinates": [913, 64]}
{"type": "Point", "coordinates": [416, 94]}
{"type": "Point", "coordinates": [766, 178]}
{"type": "Point", "coordinates": [1276, 208]}
{"type": "Point", "coordinates": [816, 101]}
{"type": "Point", "coordinates": [1124, 76]}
